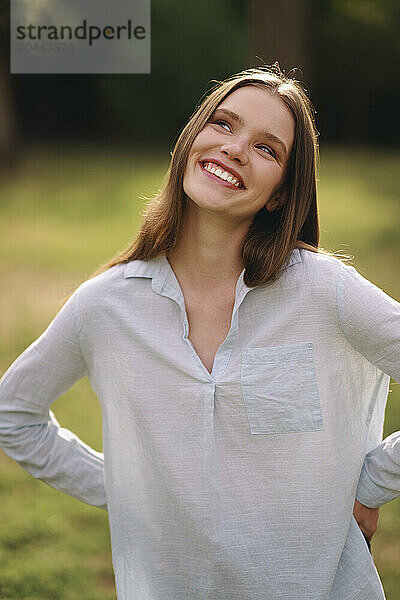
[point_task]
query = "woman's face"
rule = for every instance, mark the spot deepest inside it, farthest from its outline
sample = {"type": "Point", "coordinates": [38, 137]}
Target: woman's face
{"type": "Point", "coordinates": [236, 163]}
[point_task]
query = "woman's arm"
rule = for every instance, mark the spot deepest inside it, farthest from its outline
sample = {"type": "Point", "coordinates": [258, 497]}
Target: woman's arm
{"type": "Point", "coordinates": [29, 432]}
{"type": "Point", "coordinates": [380, 476]}
{"type": "Point", "coordinates": [370, 320]}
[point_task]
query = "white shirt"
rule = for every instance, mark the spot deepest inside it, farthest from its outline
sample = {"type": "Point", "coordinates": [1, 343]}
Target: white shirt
{"type": "Point", "coordinates": [238, 484]}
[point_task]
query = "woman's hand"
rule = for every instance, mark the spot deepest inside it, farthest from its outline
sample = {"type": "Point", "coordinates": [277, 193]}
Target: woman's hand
{"type": "Point", "coordinates": [367, 519]}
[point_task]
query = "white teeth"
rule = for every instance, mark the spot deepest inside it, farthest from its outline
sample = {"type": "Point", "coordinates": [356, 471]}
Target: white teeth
{"type": "Point", "coordinates": [225, 175]}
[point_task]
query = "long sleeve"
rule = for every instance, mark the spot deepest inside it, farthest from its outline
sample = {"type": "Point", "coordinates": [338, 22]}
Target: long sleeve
{"type": "Point", "coordinates": [29, 432]}
{"type": "Point", "coordinates": [370, 319]}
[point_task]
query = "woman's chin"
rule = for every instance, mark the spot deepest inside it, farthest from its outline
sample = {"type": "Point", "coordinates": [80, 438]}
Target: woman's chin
{"type": "Point", "coordinates": [217, 205]}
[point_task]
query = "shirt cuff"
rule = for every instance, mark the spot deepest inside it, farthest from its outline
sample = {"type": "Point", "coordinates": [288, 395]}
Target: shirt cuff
{"type": "Point", "coordinates": [368, 493]}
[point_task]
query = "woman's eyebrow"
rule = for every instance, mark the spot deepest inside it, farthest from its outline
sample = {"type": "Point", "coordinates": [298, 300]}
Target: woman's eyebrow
{"type": "Point", "coordinates": [264, 134]}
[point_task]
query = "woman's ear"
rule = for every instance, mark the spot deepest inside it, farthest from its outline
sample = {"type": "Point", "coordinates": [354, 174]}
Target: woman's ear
{"type": "Point", "coordinates": [275, 202]}
{"type": "Point", "coordinates": [272, 204]}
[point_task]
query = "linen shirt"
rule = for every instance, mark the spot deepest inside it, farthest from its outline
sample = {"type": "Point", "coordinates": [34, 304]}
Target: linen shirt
{"type": "Point", "coordinates": [238, 483]}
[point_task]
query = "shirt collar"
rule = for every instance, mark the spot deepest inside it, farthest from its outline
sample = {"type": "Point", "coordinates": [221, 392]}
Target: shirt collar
{"type": "Point", "coordinates": [156, 269]}
{"type": "Point", "coordinates": [159, 268]}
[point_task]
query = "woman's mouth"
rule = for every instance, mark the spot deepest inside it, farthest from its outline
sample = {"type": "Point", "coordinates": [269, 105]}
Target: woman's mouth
{"type": "Point", "coordinates": [219, 175]}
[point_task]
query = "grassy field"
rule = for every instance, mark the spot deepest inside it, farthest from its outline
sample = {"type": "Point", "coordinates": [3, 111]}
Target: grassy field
{"type": "Point", "coordinates": [63, 212]}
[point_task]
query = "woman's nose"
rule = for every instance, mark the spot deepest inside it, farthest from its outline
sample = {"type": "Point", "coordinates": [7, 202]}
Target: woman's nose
{"type": "Point", "coordinates": [236, 151]}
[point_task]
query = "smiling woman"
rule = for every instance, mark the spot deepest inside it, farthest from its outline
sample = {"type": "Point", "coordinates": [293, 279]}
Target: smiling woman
{"type": "Point", "coordinates": [242, 371]}
{"type": "Point", "coordinates": [259, 127]}
{"type": "Point", "coordinates": [261, 166]}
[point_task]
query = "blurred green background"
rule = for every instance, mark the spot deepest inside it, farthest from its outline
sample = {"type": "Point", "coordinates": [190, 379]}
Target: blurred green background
{"type": "Point", "coordinates": [78, 157]}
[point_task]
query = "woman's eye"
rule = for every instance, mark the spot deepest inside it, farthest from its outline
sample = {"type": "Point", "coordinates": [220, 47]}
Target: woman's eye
{"type": "Point", "coordinates": [269, 149]}
{"type": "Point", "coordinates": [220, 122]}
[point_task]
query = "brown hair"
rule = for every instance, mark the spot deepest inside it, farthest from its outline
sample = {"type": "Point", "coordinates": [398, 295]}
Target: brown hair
{"type": "Point", "coordinates": [272, 235]}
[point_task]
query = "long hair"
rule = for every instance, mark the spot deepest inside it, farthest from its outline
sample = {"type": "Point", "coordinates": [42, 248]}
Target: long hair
{"type": "Point", "coordinates": [272, 235]}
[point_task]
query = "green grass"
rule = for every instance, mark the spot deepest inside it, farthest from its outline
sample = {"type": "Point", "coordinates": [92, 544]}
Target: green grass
{"type": "Point", "coordinates": [63, 213]}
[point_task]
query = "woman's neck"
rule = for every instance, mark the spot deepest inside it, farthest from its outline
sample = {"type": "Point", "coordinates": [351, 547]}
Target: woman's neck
{"type": "Point", "coordinates": [208, 252]}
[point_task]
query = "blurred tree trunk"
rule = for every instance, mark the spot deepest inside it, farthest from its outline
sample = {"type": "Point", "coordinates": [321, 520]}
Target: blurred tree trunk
{"type": "Point", "coordinates": [8, 131]}
{"type": "Point", "coordinates": [279, 31]}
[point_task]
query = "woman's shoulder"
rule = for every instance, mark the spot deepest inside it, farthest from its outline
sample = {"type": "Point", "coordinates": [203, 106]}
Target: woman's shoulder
{"type": "Point", "coordinates": [323, 265]}
{"type": "Point", "coordinates": [98, 287]}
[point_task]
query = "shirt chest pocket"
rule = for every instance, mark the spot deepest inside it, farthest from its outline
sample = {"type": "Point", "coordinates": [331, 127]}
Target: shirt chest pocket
{"type": "Point", "coordinates": [280, 389]}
